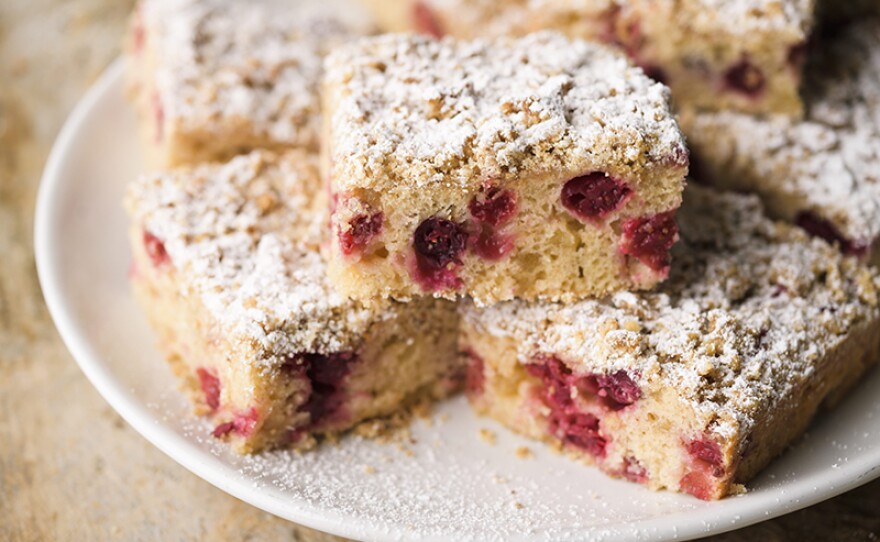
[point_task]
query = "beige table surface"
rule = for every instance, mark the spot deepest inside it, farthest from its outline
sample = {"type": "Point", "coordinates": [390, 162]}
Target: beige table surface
{"type": "Point", "coordinates": [70, 468]}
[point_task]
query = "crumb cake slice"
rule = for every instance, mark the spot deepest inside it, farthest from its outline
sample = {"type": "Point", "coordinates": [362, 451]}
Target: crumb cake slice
{"type": "Point", "coordinates": [214, 78]}
{"type": "Point", "coordinates": [697, 386]}
{"type": "Point", "coordinates": [823, 172]}
{"type": "Point", "coordinates": [744, 55]}
{"type": "Point", "coordinates": [227, 267]}
{"type": "Point", "coordinates": [536, 167]}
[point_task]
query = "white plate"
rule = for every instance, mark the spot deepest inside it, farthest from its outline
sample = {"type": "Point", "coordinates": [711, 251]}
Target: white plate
{"type": "Point", "coordinates": [448, 484]}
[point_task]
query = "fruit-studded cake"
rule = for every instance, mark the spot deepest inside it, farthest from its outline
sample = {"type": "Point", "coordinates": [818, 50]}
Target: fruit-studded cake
{"type": "Point", "coordinates": [215, 78]}
{"type": "Point", "coordinates": [536, 167]}
{"type": "Point", "coordinates": [716, 54]}
{"type": "Point", "coordinates": [698, 385]}
{"type": "Point", "coordinates": [227, 267]}
{"type": "Point", "coordinates": [823, 172]}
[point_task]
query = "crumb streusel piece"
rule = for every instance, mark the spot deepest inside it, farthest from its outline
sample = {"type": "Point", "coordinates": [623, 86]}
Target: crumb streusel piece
{"type": "Point", "coordinates": [214, 78]}
{"type": "Point", "coordinates": [697, 386]}
{"type": "Point", "coordinates": [744, 55]}
{"type": "Point", "coordinates": [535, 168]}
{"type": "Point", "coordinates": [227, 267]}
{"type": "Point", "coordinates": [823, 172]}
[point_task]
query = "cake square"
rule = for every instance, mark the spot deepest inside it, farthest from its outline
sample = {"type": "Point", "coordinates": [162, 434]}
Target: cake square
{"type": "Point", "coordinates": [214, 78]}
{"type": "Point", "coordinates": [227, 267]}
{"type": "Point", "coordinates": [822, 172]}
{"type": "Point", "coordinates": [694, 387]}
{"type": "Point", "coordinates": [536, 167]}
{"type": "Point", "coordinates": [744, 55]}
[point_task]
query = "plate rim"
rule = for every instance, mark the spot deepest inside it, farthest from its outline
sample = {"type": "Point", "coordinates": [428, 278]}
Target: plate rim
{"type": "Point", "coordinates": [798, 494]}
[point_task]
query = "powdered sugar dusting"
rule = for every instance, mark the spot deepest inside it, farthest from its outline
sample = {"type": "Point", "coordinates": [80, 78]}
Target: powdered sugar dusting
{"type": "Point", "coordinates": [749, 15]}
{"type": "Point", "coordinates": [244, 237]}
{"type": "Point", "coordinates": [428, 111]}
{"type": "Point", "coordinates": [256, 65]}
{"type": "Point", "coordinates": [751, 307]}
{"type": "Point", "coordinates": [830, 162]}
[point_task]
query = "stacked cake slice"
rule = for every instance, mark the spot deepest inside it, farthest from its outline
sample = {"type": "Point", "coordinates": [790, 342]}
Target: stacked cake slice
{"type": "Point", "coordinates": [226, 264]}
{"type": "Point", "coordinates": [501, 214]}
{"type": "Point", "coordinates": [744, 55]}
{"type": "Point", "coordinates": [693, 387]}
{"type": "Point", "coordinates": [535, 168]}
{"type": "Point", "coordinates": [822, 172]}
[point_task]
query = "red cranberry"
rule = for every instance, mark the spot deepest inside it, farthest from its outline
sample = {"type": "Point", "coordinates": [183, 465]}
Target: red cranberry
{"type": "Point", "coordinates": [649, 239]}
{"type": "Point", "coordinates": [156, 250]}
{"type": "Point", "coordinates": [364, 228]}
{"type": "Point", "coordinates": [618, 389]}
{"type": "Point", "coordinates": [210, 387]}
{"type": "Point", "coordinates": [581, 430]}
{"type": "Point", "coordinates": [242, 424]}
{"type": "Point", "coordinates": [425, 20]}
{"type": "Point", "coordinates": [566, 420]}
{"type": "Point", "coordinates": [494, 206]}
{"type": "Point", "coordinates": [744, 77]}
{"type": "Point", "coordinates": [595, 195]}
{"type": "Point", "coordinates": [475, 378]}
{"type": "Point", "coordinates": [158, 116]}
{"type": "Point", "coordinates": [634, 471]}
{"type": "Point", "coordinates": [491, 245]}
{"type": "Point", "coordinates": [222, 429]}
{"type": "Point", "coordinates": [698, 484]}
{"type": "Point", "coordinates": [707, 466]}
{"type": "Point", "coordinates": [708, 451]}
{"type": "Point", "coordinates": [438, 244]}
{"type": "Point", "coordinates": [819, 227]}
{"type": "Point", "coordinates": [655, 72]}
{"type": "Point", "coordinates": [327, 375]}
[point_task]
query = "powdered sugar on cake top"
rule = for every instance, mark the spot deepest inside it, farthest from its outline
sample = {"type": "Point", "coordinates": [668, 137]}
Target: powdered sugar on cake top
{"type": "Point", "coordinates": [831, 160]}
{"type": "Point", "coordinates": [745, 15]}
{"type": "Point", "coordinates": [749, 309]}
{"type": "Point", "coordinates": [243, 237]}
{"type": "Point", "coordinates": [227, 62]}
{"type": "Point", "coordinates": [423, 110]}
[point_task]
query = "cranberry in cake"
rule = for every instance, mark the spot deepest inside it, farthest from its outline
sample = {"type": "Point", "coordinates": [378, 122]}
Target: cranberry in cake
{"type": "Point", "coordinates": [227, 268]}
{"type": "Point", "coordinates": [214, 78]}
{"type": "Point", "coordinates": [535, 168]}
{"type": "Point", "coordinates": [822, 172]}
{"type": "Point", "coordinates": [696, 386]}
{"type": "Point", "coordinates": [744, 55]}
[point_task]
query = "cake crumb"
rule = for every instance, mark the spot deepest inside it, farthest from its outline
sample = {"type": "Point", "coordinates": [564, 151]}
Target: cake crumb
{"type": "Point", "coordinates": [369, 469]}
{"type": "Point", "coordinates": [738, 489]}
{"type": "Point", "coordinates": [488, 436]}
{"type": "Point", "coordinates": [524, 452]}
{"type": "Point", "coordinates": [518, 505]}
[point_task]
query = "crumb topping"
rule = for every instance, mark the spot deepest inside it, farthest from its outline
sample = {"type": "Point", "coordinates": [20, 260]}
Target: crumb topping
{"type": "Point", "coordinates": [750, 15]}
{"type": "Point", "coordinates": [830, 160]}
{"type": "Point", "coordinates": [224, 62]}
{"type": "Point", "coordinates": [244, 236]}
{"type": "Point", "coordinates": [750, 309]}
{"type": "Point", "coordinates": [431, 111]}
